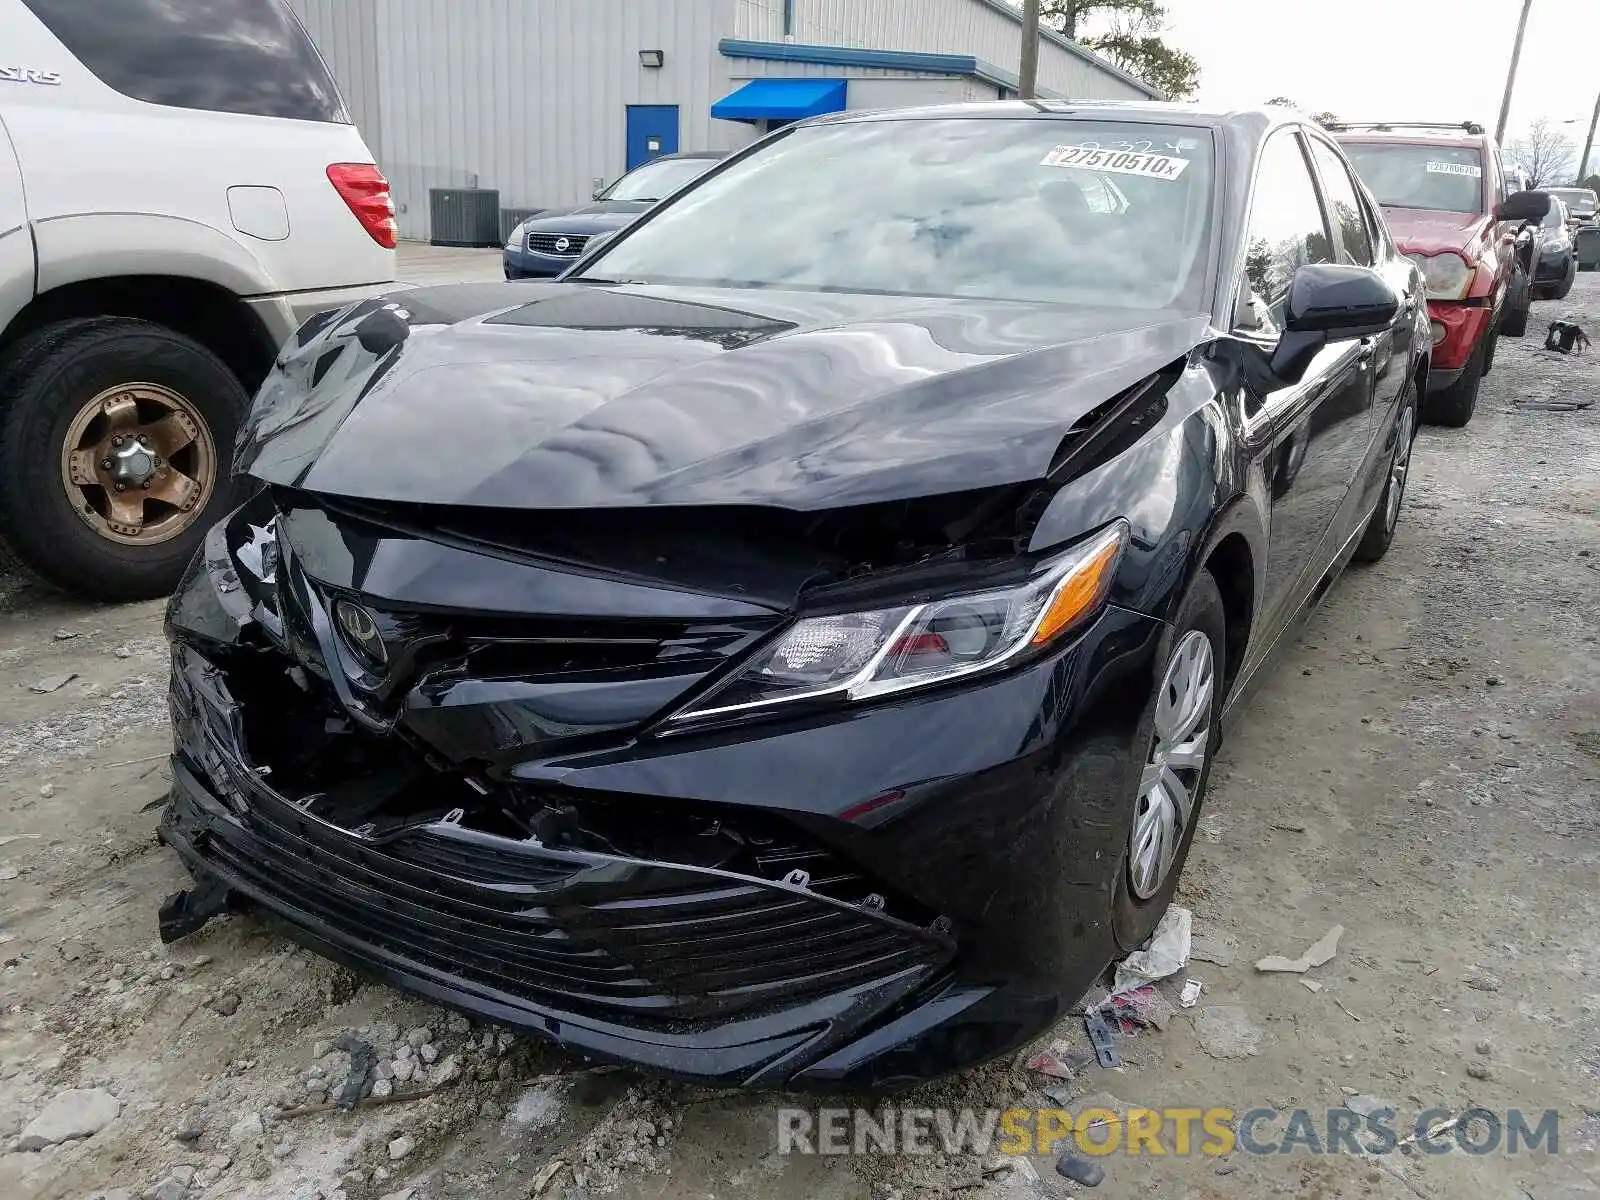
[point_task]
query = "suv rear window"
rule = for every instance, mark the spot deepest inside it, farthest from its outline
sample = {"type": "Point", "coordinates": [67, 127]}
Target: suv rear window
{"type": "Point", "coordinates": [1403, 175]}
{"type": "Point", "coordinates": [239, 56]}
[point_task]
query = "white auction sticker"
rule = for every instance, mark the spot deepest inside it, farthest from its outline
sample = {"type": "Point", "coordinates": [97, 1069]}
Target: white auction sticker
{"type": "Point", "coordinates": [1116, 162]}
{"type": "Point", "coordinates": [1444, 168]}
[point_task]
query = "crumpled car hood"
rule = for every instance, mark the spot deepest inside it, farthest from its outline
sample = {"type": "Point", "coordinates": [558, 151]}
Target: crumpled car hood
{"type": "Point", "coordinates": [1428, 231]}
{"type": "Point", "coordinates": [565, 395]}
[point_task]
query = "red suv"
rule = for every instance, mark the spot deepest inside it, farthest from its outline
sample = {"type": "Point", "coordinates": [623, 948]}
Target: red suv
{"type": "Point", "coordinates": [1443, 192]}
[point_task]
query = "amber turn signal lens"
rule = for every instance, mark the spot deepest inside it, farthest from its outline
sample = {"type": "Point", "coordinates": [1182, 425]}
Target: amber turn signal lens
{"type": "Point", "coordinates": [1083, 590]}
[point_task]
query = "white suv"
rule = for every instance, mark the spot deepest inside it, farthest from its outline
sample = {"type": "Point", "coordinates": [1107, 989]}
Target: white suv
{"type": "Point", "coordinates": [180, 187]}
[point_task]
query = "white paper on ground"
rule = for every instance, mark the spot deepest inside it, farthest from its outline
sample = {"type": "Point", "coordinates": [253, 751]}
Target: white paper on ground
{"type": "Point", "coordinates": [1164, 954]}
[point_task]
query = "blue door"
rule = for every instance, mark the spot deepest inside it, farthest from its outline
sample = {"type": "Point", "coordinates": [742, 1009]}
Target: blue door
{"type": "Point", "coordinates": [652, 132]}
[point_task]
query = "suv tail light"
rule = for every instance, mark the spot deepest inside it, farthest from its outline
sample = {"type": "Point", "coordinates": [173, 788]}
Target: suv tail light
{"type": "Point", "coordinates": [366, 191]}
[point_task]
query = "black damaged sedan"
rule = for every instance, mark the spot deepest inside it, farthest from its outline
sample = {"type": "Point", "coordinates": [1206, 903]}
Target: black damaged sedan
{"type": "Point", "coordinates": [791, 649]}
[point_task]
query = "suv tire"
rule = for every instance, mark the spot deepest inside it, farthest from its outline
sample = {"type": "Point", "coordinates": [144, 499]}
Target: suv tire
{"type": "Point", "coordinates": [49, 382]}
{"type": "Point", "coordinates": [1519, 304]}
{"type": "Point", "coordinates": [1453, 406]}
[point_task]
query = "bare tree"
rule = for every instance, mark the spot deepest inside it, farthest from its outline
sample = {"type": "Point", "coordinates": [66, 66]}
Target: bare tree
{"type": "Point", "coordinates": [1545, 153]}
{"type": "Point", "coordinates": [1066, 15]}
{"type": "Point", "coordinates": [1131, 38]}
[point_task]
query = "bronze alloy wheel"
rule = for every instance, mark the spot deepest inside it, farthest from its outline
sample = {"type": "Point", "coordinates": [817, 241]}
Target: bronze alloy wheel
{"type": "Point", "coordinates": [138, 464]}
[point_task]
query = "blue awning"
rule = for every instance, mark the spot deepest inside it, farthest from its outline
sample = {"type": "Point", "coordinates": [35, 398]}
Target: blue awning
{"type": "Point", "coordinates": [781, 100]}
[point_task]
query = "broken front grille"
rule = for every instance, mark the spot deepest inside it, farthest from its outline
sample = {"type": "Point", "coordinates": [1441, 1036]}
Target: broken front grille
{"type": "Point", "coordinates": [655, 945]}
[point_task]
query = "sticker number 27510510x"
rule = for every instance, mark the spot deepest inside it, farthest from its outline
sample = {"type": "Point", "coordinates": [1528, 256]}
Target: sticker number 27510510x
{"type": "Point", "coordinates": [1117, 162]}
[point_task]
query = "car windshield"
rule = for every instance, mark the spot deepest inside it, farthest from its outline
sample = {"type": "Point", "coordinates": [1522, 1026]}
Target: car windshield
{"type": "Point", "coordinates": [1046, 209]}
{"type": "Point", "coordinates": [657, 179]}
{"type": "Point", "coordinates": [1580, 200]}
{"type": "Point", "coordinates": [1400, 175]}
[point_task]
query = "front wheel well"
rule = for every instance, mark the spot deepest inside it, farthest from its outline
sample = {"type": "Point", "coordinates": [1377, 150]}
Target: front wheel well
{"type": "Point", "coordinates": [1231, 565]}
{"type": "Point", "coordinates": [211, 315]}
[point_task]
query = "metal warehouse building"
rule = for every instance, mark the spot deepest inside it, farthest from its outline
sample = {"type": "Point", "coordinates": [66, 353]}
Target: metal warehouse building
{"type": "Point", "coordinates": [543, 99]}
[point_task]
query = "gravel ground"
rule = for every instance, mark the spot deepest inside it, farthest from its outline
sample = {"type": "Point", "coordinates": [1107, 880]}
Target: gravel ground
{"type": "Point", "coordinates": [1422, 769]}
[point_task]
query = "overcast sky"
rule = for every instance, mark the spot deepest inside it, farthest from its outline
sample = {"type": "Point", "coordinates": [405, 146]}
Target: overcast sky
{"type": "Point", "coordinates": [1423, 60]}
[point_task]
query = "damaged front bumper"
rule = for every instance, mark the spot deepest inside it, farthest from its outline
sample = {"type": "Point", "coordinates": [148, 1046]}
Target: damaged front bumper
{"type": "Point", "coordinates": [862, 901]}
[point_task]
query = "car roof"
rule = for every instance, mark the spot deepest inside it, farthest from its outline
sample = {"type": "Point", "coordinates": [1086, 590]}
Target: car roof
{"type": "Point", "coordinates": [1254, 120]}
{"type": "Point", "coordinates": [1437, 137]}
{"type": "Point", "coordinates": [686, 154]}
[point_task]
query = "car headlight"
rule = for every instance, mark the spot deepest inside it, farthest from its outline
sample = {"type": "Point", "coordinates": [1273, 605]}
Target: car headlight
{"type": "Point", "coordinates": [1447, 275]}
{"type": "Point", "coordinates": [514, 242]}
{"type": "Point", "coordinates": [859, 655]}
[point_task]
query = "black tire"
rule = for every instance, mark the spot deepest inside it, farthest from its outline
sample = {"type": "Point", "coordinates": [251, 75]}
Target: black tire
{"type": "Point", "coordinates": [45, 379]}
{"type": "Point", "coordinates": [1380, 529]}
{"type": "Point", "coordinates": [1519, 304]}
{"type": "Point", "coordinates": [1488, 351]}
{"type": "Point", "coordinates": [1564, 288]}
{"type": "Point", "coordinates": [1133, 919]}
{"type": "Point", "coordinates": [1453, 406]}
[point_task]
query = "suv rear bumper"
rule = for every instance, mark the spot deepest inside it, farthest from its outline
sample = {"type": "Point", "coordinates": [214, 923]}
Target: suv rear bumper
{"type": "Point", "coordinates": [284, 312]}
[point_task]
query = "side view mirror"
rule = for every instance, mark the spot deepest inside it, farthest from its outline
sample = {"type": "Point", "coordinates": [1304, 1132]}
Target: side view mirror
{"type": "Point", "coordinates": [1523, 206]}
{"type": "Point", "coordinates": [1329, 302]}
{"type": "Point", "coordinates": [590, 249]}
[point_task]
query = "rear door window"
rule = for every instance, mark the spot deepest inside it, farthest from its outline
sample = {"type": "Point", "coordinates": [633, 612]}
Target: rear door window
{"type": "Point", "coordinates": [238, 56]}
{"type": "Point", "coordinates": [1349, 225]}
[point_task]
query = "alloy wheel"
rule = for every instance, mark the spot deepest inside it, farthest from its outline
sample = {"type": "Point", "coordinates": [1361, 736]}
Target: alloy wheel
{"type": "Point", "coordinates": [138, 463]}
{"type": "Point", "coordinates": [1399, 468]}
{"type": "Point", "coordinates": [1170, 781]}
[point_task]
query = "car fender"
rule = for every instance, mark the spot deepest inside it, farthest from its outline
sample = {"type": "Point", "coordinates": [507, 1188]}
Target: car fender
{"type": "Point", "coordinates": [1181, 489]}
{"type": "Point", "coordinates": [92, 246]}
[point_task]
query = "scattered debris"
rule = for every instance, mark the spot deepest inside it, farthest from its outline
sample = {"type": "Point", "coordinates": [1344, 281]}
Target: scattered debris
{"type": "Point", "coordinates": [401, 1146]}
{"type": "Point", "coordinates": [1478, 1070]}
{"type": "Point", "coordinates": [362, 1059]}
{"type": "Point", "coordinates": [73, 1114]}
{"type": "Point", "coordinates": [52, 683]}
{"type": "Point", "coordinates": [1164, 954]}
{"type": "Point", "coordinates": [66, 635]}
{"type": "Point", "coordinates": [1430, 1133]}
{"type": "Point", "coordinates": [1288, 828]}
{"type": "Point", "coordinates": [1080, 1170]}
{"type": "Point", "coordinates": [1102, 1039]}
{"type": "Point", "coordinates": [1311, 985]}
{"type": "Point", "coordinates": [226, 1004]}
{"type": "Point", "coordinates": [1563, 336]}
{"type": "Point", "coordinates": [1319, 952]}
{"type": "Point", "coordinates": [1226, 1031]}
{"type": "Point", "coordinates": [1060, 1061]}
{"type": "Point", "coordinates": [547, 1175]}
{"type": "Point", "coordinates": [373, 1101]}
{"type": "Point", "coordinates": [1142, 1006]}
{"type": "Point", "coordinates": [1190, 994]}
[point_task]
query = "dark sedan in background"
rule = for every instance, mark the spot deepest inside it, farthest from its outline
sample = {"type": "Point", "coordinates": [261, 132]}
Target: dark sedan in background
{"type": "Point", "coordinates": [1555, 265]}
{"type": "Point", "coordinates": [798, 660]}
{"type": "Point", "coordinates": [546, 245]}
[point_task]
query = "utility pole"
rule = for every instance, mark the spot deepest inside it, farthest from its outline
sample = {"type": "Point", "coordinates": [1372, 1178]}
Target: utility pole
{"type": "Point", "coordinates": [1588, 143]}
{"type": "Point", "coordinates": [1029, 74]}
{"type": "Point", "coordinates": [1511, 74]}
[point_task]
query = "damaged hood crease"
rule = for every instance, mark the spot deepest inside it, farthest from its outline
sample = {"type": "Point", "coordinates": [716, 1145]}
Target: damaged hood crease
{"type": "Point", "coordinates": [602, 397]}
